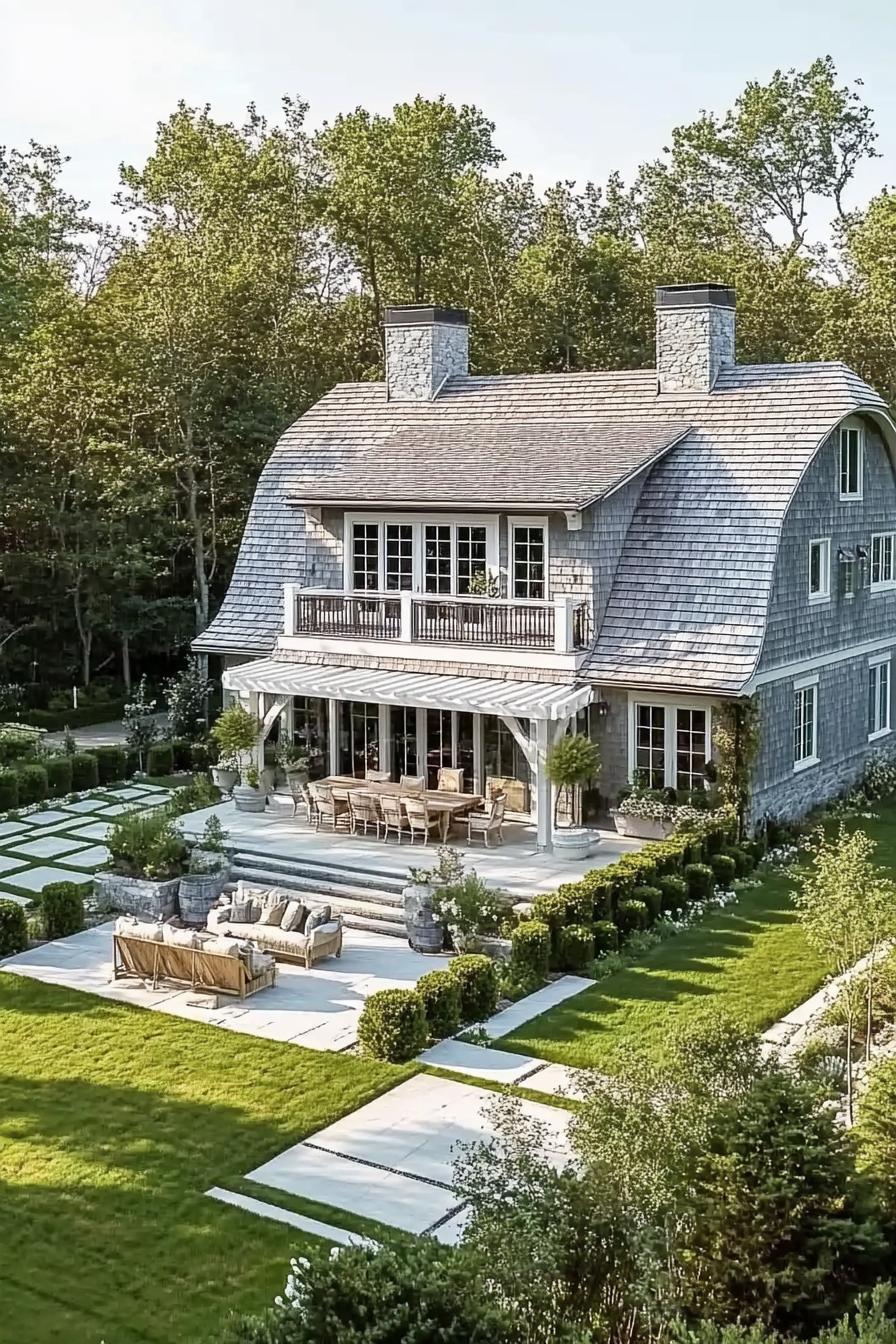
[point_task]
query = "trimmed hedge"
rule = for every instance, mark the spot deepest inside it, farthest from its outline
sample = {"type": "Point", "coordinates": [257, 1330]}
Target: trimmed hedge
{"type": "Point", "coordinates": [85, 771]}
{"type": "Point", "coordinates": [606, 937]}
{"type": "Point", "coordinates": [631, 915]}
{"type": "Point", "coordinates": [160, 759]}
{"type": "Point", "coordinates": [700, 880]}
{"type": "Point", "coordinates": [182, 753]}
{"type": "Point", "coordinates": [477, 977]}
{"type": "Point", "coordinates": [9, 790]}
{"type": "Point", "coordinates": [200, 757]}
{"type": "Point", "coordinates": [575, 948]}
{"type": "Point", "coordinates": [13, 928]}
{"type": "Point", "coordinates": [112, 764]}
{"type": "Point", "coordinates": [724, 869]}
{"type": "Point", "coordinates": [744, 862]}
{"type": "Point", "coordinates": [59, 775]}
{"type": "Point", "coordinates": [33, 783]}
{"type": "Point", "coordinates": [392, 1025]}
{"type": "Point", "coordinates": [440, 993]}
{"type": "Point", "coordinates": [652, 897]}
{"type": "Point", "coordinates": [673, 892]}
{"type": "Point", "coordinates": [62, 905]}
{"type": "Point", "coordinates": [530, 944]}
{"type": "Point", "coordinates": [55, 720]}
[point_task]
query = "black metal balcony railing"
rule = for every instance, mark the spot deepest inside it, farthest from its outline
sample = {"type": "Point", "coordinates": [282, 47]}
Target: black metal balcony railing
{"type": "Point", "coordinates": [348, 617]}
{"type": "Point", "coordinates": [519, 625]}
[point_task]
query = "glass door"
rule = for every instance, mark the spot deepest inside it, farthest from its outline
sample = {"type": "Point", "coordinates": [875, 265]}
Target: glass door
{"type": "Point", "coordinates": [403, 726]}
{"type": "Point", "coordinates": [359, 737]}
{"type": "Point", "coordinates": [505, 766]}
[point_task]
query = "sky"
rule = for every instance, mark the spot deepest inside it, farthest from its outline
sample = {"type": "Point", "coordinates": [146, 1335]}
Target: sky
{"type": "Point", "coordinates": [575, 89]}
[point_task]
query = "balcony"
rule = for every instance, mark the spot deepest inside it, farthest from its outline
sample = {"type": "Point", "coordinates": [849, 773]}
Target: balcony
{"type": "Point", "coordinates": [560, 626]}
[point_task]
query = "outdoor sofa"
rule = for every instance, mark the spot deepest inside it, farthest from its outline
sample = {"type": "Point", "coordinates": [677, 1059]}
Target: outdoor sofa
{"type": "Point", "coordinates": [283, 922]}
{"type": "Point", "coordinates": [148, 950]}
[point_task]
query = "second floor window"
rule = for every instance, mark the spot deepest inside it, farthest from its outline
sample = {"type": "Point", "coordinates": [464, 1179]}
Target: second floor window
{"type": "Point", "coordinates": [391, 555]}
{"type": "Point", "coordinates": [883, 552]}
{"type": "Point", "coordinates": [529, 560]}
{"type": "Point", "coordinates": [819, 570]}
{"type": "Point", "coordinates": [850, 463]}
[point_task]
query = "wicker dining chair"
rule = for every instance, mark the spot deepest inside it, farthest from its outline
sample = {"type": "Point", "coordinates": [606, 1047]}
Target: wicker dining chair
{"type": "Point", "coordinates": [393, 816]}
{"type": "Point", "coordinates": [488, 823]}
{"type": "Point", "coordinates": [450, 780]}
{"type": "Point", "coordinates": [420, 820]}
{"type": "Point", "coordinates": [365, 811]}
{"type": "Point", "coordinates": [413, 783]}
{"type": "Point", "coordinates": [377, 776]}
{"type": "Point", "coordinates": [329, 808]}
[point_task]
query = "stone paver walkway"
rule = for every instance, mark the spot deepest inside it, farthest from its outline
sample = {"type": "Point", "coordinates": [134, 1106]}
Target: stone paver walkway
{"type": "Point", "coordinates": [524, 1010]}
{"type": "Point", "coordinates": [300, 1220]}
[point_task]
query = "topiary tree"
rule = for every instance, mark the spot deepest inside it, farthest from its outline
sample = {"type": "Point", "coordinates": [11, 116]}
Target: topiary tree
{"type": "Point", "coordinates": [572, 763]}
{"type": "Point", "coordinates": [235, 733]}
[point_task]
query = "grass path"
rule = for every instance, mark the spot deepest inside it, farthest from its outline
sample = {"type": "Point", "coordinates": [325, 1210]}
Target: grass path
{"type": "Point", "coordinates": [750, 962]}
{"type": "Point", "coordinates": [113, 1121]}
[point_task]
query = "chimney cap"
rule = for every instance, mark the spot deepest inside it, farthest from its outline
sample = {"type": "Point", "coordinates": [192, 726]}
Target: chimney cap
{"type": "Point", "coordinates": [424, 315]}
{"type": "Point", "coordinates": [704, 295]}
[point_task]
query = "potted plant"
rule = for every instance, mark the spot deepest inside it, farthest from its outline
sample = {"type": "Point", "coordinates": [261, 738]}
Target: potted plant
{"type": "Point", "coordinates": [294, 761]}
{"type": "Point", "coordinates": [469, 910]}
{"type": "Point", "coordinates": [225, 774]}
{"type": "Point", "coordinates": [207, 871]}
{"type": "Point", "coordinates": [572, 763]}
{"type": "Point", "coordinates": [236, 733]}
{"type": "Point", "coordinates": [645, 813]}
{"type": "Point", "coordinates": [425, 932]}
{"type": "Point", "coordinates": [250, 795]}
{"type": "Point", "coordinates": [147, 857]}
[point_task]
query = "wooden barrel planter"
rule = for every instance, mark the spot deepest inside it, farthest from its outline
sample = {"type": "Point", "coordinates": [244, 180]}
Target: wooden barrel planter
{"type": "Point", "coordinates": [198, 893]}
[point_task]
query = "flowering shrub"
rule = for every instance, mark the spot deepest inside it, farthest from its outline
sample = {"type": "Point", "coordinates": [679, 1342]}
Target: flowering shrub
{"type": "Point", "coordinates": [879, 777]}
{"type": "Point", "coordinates": [139, 727]}
{"type": "Point", "coordinates": [467, 907]}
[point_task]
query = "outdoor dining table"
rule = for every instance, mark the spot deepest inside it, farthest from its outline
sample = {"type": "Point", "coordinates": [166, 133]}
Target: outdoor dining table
{"type": "Point", "coordinates": [447, 805]}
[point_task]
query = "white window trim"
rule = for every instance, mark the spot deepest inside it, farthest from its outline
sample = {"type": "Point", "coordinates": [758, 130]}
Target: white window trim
{"type": "Point", "coordinates": [669, 705]}
{"type": "Point", "coordinates": [824, 593]}
{"type": "Point", "coordinates": [417, 521]}
{"type": "Point", "coordinates": [882, 585]}
{"type": "Point", "coordinates": [801, 685]}
{"type": "Point", "coordinates": [859, 495]}
{"type": "Point", "coordinates": [883, 660]}
{"type": "Point", "coordinates": [513, 522]}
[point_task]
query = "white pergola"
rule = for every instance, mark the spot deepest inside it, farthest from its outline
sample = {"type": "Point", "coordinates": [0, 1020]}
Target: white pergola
{"type": "Point", "coordinates": [548, 706]}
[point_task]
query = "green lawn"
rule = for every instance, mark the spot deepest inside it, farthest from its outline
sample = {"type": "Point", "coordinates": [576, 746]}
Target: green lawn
{"type": "Point", "coordinates": [113, 1121]}
{"type": "Point", "coordinates": [749, 962]}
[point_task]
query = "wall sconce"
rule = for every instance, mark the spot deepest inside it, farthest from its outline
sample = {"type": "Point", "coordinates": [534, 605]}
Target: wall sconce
{"type": "Point", "coordinates": [601, 708]}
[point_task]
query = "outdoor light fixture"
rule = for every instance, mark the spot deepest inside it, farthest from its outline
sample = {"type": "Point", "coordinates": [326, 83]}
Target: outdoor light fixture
{"type": "Point", "coordinates": [601, 708]}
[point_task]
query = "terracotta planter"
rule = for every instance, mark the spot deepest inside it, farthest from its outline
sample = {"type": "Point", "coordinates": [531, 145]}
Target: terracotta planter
{"type": "Point", "coordinates": [136, 895]}
{"type": "Point", "coordinates": [641, 828]}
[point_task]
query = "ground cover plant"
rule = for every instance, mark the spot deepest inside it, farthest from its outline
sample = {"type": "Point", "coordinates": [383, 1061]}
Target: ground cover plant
{"type": "Point", "coordinates": [114, 1122]}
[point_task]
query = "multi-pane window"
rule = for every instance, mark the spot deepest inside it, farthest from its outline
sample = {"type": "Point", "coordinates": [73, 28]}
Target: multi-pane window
{"type": "Point", "coordinates": [690, 748]}
{"type": "Point", "coordinates": [310, 720]}
{"type": "Point", "coordinates": [883, 548]}
{"type": "Point", "coordinates": [650, 744]}
{"type": "Point", "coordinates": [850, 463]}
{"type": "Point", "coordinates": [471, 555]}
{"type": "Point", "coordinates": [438, 743]}
{"type": "Point", "coordinates": [879, 698]}
{"type": "Point", "coordinates": [528, 561]}
{"type": "Point", "coordinates": [404, 740]}
{"type": "Point", "coordinates": [437, 558]}
{"type": "Point", "coordinates": [399, 556]}
{"type": "Point", "coordinates": [805, 725]}
{"type": "Point", "coordinates": [819, 570]}
{"type": "Point", "coordinates": [366, 556]}
{"type": "Point", "coordinates": [359, 737]}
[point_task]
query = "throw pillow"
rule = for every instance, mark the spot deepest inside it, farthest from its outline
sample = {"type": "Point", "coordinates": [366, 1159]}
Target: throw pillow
{"type": "Point", "coordinates": [273, 914]}
{"type": "Point", "coordinates": [322, 915]}
{"type": "Point", "coordinates": [125, 924]}
{"type": "Point", "coordinates": [241, 912]}
{"type": "Point", "coordinates": [223, 914]}
{"type": "Point", "coordinates": [294, 917]}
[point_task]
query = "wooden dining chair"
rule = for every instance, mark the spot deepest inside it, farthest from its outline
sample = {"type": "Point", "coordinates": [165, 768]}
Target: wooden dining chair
{"type": "Point", "coordinates": [329, 808]}
{"type": "Point", "coordinates": [413, 783]}
{"type": "Point", "coordinates": [420, 820]}
{"type": "Point", "coordinates": [490, 823]}
{"type": "Point", "coordinates": [377, 776]}
{"type": "Point", "coordinates": [393, 816]}
{"type": "Point", "coordinates": [364, 809]}
{"type": "Point", "coordinates": [450, 780]}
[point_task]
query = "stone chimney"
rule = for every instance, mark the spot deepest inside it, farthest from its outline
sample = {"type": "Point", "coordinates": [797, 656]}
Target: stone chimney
{"type": "Point", "coordinates": [424, 346]}
{"type": "Point", "coordinates": [694, 336]}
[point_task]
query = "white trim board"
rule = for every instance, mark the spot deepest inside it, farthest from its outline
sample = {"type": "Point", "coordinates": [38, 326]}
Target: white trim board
{"type": "Point", "coordinates": [821, 660]}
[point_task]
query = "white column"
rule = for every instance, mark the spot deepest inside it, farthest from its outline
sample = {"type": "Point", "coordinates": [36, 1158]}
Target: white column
{"type": "Point", "coordinates": [544, 816]}
{"type": "Point", "coordinates": [255, 706]}
{"type": "Point", "coordinates": [333, 713]}
{"type": "Point", "coordinates": [406, 600]}
{"type": "Point", "coordinates": [478, 756]}
{"type": "Point", "coordinates": [564, 607]}
{"type": "Point", "coordinates": [289, 608]}
{"type": "Point", "coordinates": [385, 728]}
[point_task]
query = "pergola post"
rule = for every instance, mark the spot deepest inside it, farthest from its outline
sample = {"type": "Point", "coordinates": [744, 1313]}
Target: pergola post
{"type": "Point", "coordinates": [544, 802]}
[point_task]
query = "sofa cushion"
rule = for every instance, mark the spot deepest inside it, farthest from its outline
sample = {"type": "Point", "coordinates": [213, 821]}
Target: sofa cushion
{"type": "Point", "coordinates": [272, 915]}
{"type": "Point", "coordinates": [222, 914]}
{"type": "Point", "coordinates": [244, 910]}
{"type": "Point", "coordinates": [222, 947]}
{"type": "Point", "coordinates": [321, 914]}
{"type": "Point", "coordinates": [180, 937]}
{"type": "Point", "coordinates": [294, 917]}
{"type": "Point", "coordinates": [148, 931]}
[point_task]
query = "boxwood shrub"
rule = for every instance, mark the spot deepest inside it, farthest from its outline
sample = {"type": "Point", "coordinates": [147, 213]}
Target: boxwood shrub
{"type": "Point", "coordinates": [744, 862]}
{"type": "Point", "coordinates": [440, 993]}
{"type": "Point", "coordinates": [673, 892]}
{"type": "Point", "coordinates": [13, 928]}
{"type": "Point", "coordinates": [62, 906]}
{"type": "Point", "coordinates": [550, 908]}
{"type": "Point", "coordinates": [724, 869]}
{"type": "Point", "coordinates": [575, 948]}
{"type": "Point", "coordinates": [652, 897]}
{"type": "Point", "coordinates": [111, 763]}
{"type": "Point", "coordinates": [182, 753]}
{"type": "Point", "coordinates": [631, 915]}
{"type": "Point", "coordinates": [700, 880]}
{"type": "Point", "coordinates": [9, 790]}
{"type": "Point", "coordinates": [59, 775]}
{"type": "Point", "coordinates": [606, 937]}
{"type": "Point", "coordinates": [85, 771]}
{"type": "Point", "coordinates": [160, 759]}
{"type": "Point", "coordinates": [478, 979]}
{"type": "Point", "coordinates": [531, 948]}
{"type": "Point", "coordinates": [33, 783]}
{"type": "Point", "coordinates": [392, 1025]}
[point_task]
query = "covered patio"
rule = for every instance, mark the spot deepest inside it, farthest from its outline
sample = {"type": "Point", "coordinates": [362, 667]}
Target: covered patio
{"type": "Point", "coordinates": [403, 722]}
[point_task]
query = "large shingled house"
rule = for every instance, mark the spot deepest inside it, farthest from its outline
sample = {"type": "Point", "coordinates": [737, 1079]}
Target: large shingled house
{"type": "Point", "coordinates": [446, 569]}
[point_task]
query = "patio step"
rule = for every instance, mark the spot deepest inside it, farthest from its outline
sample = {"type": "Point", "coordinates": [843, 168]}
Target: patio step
{"type": "Point", "coordinates": [392, 881]}
{"type": "Point", "coordinates": [361, 908]}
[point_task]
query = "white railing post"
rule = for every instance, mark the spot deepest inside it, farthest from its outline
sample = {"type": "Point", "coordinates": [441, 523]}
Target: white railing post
{"type": "Point", "coordinates": [407, 616]}
{"type": "Point", "coordinates": [289, 608]}
{"type": "Point", "coordinates": [563, 622]}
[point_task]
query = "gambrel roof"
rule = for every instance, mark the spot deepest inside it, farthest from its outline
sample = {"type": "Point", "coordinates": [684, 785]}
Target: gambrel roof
{"type": "Point", "coordinates": [689, 599]}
